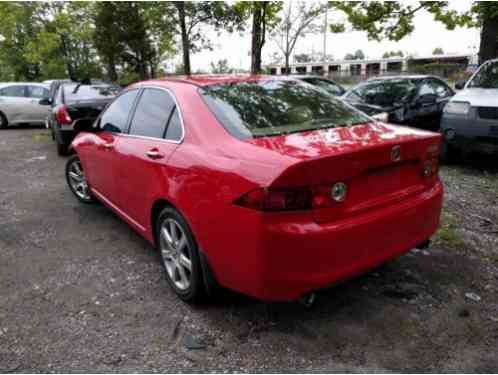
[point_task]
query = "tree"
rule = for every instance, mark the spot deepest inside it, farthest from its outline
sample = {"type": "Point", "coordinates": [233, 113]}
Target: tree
{"type": "Point", "coordinates": [188, 16]}
{"type": "Point", "coordinates": [386, 55]}
{"type": "Point", "coordinates": [394, 20]}
{"type": "Point", "coordinates": [302, 58]}
{"type": "Point", "coordinates": [132, 36]}
{"type": "Point", "coordinates": [358, 55]}
{"type": "Point", "coordinates": [438, 51]}
{"type": "Point", "coordinates": [221, 67]}
{"type": "Point", "coordinates": [296, 22]}
{"type": "Point", "coordinates": [264, 18]}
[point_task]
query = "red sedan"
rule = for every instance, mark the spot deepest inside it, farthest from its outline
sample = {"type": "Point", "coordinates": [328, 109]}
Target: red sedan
{"type": "Point", "coordinates": [267, 186]}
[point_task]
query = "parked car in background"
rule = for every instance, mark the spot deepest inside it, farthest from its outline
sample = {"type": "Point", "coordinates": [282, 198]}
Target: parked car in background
{"type": "Point", "coordinates": [19, 103]}
{"type": "Point", "coordinates": [74, 107]}
{"type": "Point", "coordinates": [470, 119]}
{"type": "Point", "coordinates": [328, 85]}
{"type": "Point", "coordinates": [261, 184]}
{"type": "Point", "coordinates": [416, 100]}
{"type": "Point", "coordinates": [336, 89]}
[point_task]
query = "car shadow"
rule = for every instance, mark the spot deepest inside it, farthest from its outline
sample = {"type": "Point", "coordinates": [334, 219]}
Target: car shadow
{"type": "Point", "coordinates": [478, 162]}
{"type": "Point", "coordinates": [22, 126]}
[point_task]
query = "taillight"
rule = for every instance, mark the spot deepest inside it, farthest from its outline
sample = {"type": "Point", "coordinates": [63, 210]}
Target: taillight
{"type": "Point", "coordinates": [293, 199]}
{"type": "Point", "coordinates": [63, 117]}
{"type": "Point", "coordinates": [431, 164]}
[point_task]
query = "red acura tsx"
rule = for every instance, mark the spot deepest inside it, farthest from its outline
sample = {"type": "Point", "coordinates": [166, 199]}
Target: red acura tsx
{"type": "Point", "coordinates": [267, 186]}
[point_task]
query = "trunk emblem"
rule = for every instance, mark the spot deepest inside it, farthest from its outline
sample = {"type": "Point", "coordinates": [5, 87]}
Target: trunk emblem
{"type": "Point", "coordinates": [396, 153]}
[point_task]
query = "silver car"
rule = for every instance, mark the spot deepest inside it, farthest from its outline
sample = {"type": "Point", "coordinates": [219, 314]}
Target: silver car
{"type": "Point", "coordinates": [19, 103]}
{"type": "Point", "coordinates": [470, 119]}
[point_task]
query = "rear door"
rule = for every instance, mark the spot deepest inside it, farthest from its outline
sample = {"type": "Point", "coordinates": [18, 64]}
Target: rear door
{"type": "Point", "coordinates": [100, 158]}
{"type": "Point", "coordinates": [155, 132]}
{"type": "Point", "coordinates": [13, 103]}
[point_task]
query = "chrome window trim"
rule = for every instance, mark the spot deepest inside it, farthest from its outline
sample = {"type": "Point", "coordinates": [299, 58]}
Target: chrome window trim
{"type": "Point", "coordinates": [179, 113]}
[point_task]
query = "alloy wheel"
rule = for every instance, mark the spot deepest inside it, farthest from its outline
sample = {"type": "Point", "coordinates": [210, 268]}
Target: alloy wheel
{"type": "Point", "coordinates": [77, 180]}
{"type": "Point", "coordinates": [176, 254]}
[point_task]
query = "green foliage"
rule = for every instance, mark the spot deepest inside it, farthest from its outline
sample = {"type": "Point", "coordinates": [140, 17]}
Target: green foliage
{"type": "Point", "coordinates": [438, 51]}
{"type": "Point", "coordinates": [358, 55]}
{"type": "Point", "coordinates": [437, 69]}
{"type": "Point", "coordinates": [393, 54]}
{"type": "Point", "coordinates": [221, 67]}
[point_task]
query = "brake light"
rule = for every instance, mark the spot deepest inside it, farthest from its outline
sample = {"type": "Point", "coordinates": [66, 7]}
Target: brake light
{"type": "Point", "coordinates": [293, 199]}
{"type": "Point", "coordinates": [431, 164]}
{"type": "Point", "coordinates": [63, 117]}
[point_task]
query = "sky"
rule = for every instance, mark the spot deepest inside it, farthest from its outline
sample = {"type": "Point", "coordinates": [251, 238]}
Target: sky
{"type": "Point", "coordinates": [428, 34]}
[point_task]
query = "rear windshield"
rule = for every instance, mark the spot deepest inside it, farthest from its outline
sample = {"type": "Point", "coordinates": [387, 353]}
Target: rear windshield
{"type": "Point", "coordinates": [75, 92]}
{"type": "Point", "coordinates": [275, 107]}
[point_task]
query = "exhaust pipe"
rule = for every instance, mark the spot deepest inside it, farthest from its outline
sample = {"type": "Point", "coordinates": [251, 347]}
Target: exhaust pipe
{"type": "Point", "coordinates": [308, 300]}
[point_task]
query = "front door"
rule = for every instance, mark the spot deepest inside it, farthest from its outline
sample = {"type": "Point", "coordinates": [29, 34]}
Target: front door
{"type": "Point", "coordinates": [100, 156]}
{"type": "Point", "coordinates": [34, 111]}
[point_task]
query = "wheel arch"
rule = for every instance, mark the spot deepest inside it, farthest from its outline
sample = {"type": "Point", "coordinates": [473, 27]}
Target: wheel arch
{"type": "Point", "coordinates": [210, 280]}
{"type": "Point", "coordinates": [2, 113]}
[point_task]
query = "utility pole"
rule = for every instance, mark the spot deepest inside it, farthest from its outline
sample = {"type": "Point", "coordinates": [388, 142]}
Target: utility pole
{"type": "Point", "coordinates": [325, 36]}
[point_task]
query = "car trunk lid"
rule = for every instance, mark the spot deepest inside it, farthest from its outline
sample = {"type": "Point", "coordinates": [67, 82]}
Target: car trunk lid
{"type": "Point", "coordinates": [380, 164]}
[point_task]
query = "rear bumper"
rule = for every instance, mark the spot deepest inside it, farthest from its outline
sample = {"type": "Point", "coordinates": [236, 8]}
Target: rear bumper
{"type": "Point", "coordinates": [297, 257]}
{"type": "Point", "coordinates": [65, 136]}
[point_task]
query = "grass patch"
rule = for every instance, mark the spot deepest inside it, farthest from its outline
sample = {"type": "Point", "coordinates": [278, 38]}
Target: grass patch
{"type": "Point", "coordinates": [41, 137]}
{"type": "Point", "coordinates": [448, 234]}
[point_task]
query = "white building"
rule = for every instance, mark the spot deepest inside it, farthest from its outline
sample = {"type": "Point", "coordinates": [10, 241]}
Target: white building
{"type": "Point", "coordinates": [369, 66]}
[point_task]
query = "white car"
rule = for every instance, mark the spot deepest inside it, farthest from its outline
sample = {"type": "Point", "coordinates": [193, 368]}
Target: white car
{"type": "Point", "coordinates": [19, 103]}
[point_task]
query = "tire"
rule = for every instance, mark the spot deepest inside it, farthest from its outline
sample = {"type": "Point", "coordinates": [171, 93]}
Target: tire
{"type": "Point", "coordinates": [3, 121]}
{"type": "Point", "coordinates": [62, 149]}
{"type": "Point", "coordinates": [75, 178]}
{"type": "Point", "coordinates": [180, 256]}
{"type": "Point", "coordinates": [448, 153]}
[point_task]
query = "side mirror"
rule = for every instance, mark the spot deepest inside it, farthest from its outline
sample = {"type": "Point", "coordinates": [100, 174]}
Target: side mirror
{"type": "Point", "coordinates": [45, 101]}
{"type": "Point", "coordinates": [460, 84]}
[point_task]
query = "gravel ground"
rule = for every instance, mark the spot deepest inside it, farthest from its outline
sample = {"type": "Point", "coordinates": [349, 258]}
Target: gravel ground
{"type": "Point", "coordinates": [80, 291]}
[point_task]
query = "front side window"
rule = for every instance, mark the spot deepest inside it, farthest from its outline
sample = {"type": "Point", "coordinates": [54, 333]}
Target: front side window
{"type": "Point", "coordinates": [275, 107]}
{"type": "Point", "coordinates": [441, 90]}
{"type": "Point", "coordinates": [152, 113]}
{"type": "Point", "coordinates": [386, 93]}
{"type": "Point", "coordinates": [486, 77]}
{"type": "Point", "coordinates": [115, 117]}
{"type": "Point", "coordinates": [13, 91]}
{"type": "Point", "coordinates": [426, 88]}
{"type": "Point", "coordinates": [37, 92]}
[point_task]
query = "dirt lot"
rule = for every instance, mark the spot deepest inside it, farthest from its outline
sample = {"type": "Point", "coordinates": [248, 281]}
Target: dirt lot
{"type": "Point", "coordinates": [80, 291]}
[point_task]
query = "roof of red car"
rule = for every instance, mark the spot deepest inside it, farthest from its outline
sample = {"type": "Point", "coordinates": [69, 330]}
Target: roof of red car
{"type": "Point", "coordinates": [206, 80]}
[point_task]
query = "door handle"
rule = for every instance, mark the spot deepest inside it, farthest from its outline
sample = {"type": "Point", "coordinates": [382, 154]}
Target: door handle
{"type": "Point", "coordinates": [154, 154]}
{"type": "Point", "coordinates": [108, 146]}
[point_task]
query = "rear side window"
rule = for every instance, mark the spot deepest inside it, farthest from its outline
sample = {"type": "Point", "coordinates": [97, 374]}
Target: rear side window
{"type": "Point", "coordinates": [37, 92]}
{"type": "Point", "coordinates": [115, 117]}
{"type": "Point", "coordinates": [152, 113]}
{"type": "Point", "coordinates": [174, 131]}
{"type": "Point", "coordinates": [13, 91]}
